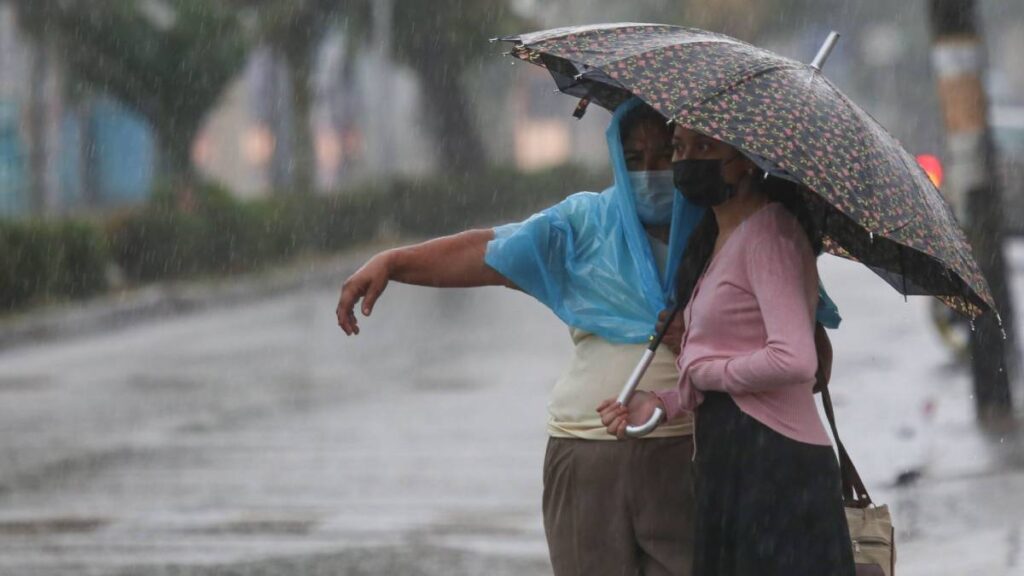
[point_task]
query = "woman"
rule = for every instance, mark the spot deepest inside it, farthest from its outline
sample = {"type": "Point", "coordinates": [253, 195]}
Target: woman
{"type": "Point", "coordinates": [767, 488]}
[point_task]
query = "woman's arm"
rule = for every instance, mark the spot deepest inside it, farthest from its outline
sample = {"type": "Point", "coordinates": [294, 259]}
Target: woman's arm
{"type": "Point", "coordinates": [783, 278]}
{"type": "Point", "coordinates": [455, 261]}
{"type": "Point", "coordinates": [450, 261]}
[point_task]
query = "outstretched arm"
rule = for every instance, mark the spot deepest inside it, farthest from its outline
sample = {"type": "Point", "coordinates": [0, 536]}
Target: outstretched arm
{"type": "Point", "coordinates": [450, 261]}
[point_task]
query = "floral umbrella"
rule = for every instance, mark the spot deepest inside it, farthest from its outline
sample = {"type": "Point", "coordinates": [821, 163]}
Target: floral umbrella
{"type": "Point", "coordinates": [874, 203]}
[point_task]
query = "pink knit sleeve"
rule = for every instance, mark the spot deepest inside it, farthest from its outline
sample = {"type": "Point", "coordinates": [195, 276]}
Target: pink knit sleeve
{"type": "Point", "coordinates": [672, 401]}
{"type": "Point", "coordinates": [682, 398]}
{"type": "Point", "coordinates": [783, 279]}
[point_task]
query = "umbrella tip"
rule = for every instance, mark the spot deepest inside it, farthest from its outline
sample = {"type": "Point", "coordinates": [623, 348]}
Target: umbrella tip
{"type": "Point", "coordinates": [825, 50]}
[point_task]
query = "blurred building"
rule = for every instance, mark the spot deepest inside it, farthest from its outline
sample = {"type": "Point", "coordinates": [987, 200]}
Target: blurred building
{"type": "Point", "coordinates": [60, 154]}
{"type": "Point", "coordinates": [56, 155]}
{"type": "Point", "coordinates": [89, 153]}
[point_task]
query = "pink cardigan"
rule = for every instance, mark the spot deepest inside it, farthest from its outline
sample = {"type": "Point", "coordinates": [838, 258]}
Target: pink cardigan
{"type": "Point", "coordinates": [750, 328]}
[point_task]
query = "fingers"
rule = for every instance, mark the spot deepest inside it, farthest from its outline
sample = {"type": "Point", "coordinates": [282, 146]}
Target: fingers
{"type": "Point", "coordinates": [370, 298]}
{"type": "Point", "coordinates": [350, 294]}
{"type": "Point", "coordinates": [609, 410]}
{"type": "Point", "coordinates": [610, 407]}
{"type": "Point", "coordinates": [619, 428]}
{"type": "Point", "coordinates": [614, 417]}
{"type": "Point", "coordinates": [347, 322]}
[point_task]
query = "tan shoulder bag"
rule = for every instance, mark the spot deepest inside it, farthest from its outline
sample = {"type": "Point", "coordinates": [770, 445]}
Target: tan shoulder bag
{"type": "Point", "coordinates": [871, 531]}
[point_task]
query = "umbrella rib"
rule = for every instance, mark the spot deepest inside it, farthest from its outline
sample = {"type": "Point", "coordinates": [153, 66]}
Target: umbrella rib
{"type": "Point", "coordinates": [857, 111]}
{"type": "Point", "coordinates": [736, 84]}
{"type": "Point", "coordinates": [888, 233]}
{"type": "Point", "coordinates": [782, 62]}
{"type": "Point", "coordinates": [662, 48]}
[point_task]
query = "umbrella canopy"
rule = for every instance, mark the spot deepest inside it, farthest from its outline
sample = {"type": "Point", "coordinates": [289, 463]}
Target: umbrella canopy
{"type": "Point", "coordinates": [873, 202]}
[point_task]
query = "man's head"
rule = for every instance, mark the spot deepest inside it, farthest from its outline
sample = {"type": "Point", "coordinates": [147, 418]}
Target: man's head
{"type": "Point", "coordinates": [647, 151]}
{"type": "Point", "coordinates": [646, 140]}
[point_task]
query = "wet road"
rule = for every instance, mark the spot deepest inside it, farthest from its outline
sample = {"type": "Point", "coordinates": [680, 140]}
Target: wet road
{"type": "Point", "coordinates": [260, 432]}
{"type": "Point", "coordinates": [259, 440]}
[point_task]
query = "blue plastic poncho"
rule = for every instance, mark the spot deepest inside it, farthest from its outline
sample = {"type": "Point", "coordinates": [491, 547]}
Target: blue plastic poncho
{"type": "Point", "coordinates": [588, 258]}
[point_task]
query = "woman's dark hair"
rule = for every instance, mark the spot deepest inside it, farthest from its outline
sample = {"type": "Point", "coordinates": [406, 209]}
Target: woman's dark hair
{"type": "Point", "coordinates": [695, 257]}
{"type": "Point", "coordinates": [794, 197]}
{"type": "Point", "coordinates": [701, 244]}
{"type": "Point", "coordinates": [636, 116]}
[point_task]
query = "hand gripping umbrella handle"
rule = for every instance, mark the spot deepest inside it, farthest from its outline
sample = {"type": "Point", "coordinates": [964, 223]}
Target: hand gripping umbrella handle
{"type": "Point", "coordinates": [634, 379]}
{"type": "Point", "coordinates": [627, 393]}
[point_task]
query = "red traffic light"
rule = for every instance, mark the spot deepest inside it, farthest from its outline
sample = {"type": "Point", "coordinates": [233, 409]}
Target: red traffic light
{"type": "Point", "coordinates": [932, 167]}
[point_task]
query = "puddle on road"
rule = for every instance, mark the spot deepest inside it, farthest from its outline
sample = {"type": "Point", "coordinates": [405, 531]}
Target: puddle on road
{"type": "Point", "coordinates": [163, 382]}
{"type": "Point", "coordinates": [42, 526]}
{"type": "Point", "coordinates": [445, 384]}
{"type": "Point", "coordinates": [263, 526]}
{"type": "Point", "coordinates": [24, 383]}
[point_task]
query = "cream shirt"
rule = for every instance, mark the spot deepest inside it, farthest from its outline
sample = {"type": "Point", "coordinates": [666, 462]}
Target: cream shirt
{"type": "Point", "coordinates": [598, 370]}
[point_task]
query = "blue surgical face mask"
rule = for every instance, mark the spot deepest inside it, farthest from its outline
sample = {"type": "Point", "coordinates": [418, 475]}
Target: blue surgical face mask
{"type": "Point", "coordinates": [654, 193]}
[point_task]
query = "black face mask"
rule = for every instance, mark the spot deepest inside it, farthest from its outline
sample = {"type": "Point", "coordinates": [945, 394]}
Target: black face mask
{"type": "Point", "coordinates": [700, 181]}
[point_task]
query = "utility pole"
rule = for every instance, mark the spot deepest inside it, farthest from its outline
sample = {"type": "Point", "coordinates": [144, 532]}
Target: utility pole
{"type": "Point", "coordinates": [958, 58]}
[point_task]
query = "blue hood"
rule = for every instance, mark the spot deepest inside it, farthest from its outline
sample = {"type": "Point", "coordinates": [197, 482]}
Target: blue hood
{"type": "Point", "coordinates": [588, 258]}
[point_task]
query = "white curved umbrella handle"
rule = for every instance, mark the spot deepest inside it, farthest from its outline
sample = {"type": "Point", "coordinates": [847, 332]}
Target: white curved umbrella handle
{"type": "Point", "coordinates": [647, 427]}
{"type": "Point", "coordinates": [627, 393]}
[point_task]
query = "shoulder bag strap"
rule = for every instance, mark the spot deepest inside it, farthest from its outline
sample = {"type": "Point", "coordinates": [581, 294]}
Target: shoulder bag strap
{"type": "Point", "coordinates": [854, 493]}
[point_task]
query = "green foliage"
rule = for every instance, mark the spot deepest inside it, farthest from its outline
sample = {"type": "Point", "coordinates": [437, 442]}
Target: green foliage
{"type": "Point", "coordinates": [83, 259]}
{"type": "Point", "coordinates": [216, 234]}
{"type": "Point", "coordinates": [441, 41]}
{"type": "Point", "coordinates": [449, 204]}
{"type": "Point", "coordinates": [212, 233]}
{"type": "Point", "coordinates": [43, 261]}
{"type": "Point", "coordinates": [209, 232]}
{"type": "Point", "coordinates": [456, 32]}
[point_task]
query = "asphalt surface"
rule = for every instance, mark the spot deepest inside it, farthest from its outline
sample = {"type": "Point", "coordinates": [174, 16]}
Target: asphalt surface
{"type": "Point", "coordinates": [247, 435]}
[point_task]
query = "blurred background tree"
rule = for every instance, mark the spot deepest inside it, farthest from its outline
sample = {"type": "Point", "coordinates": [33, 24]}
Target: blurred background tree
{"type": "Point", "coordinates": [168, 60]}
{"type": "Point", "coordinates": [440, 41]}
{"type": "Point", "coordinates": [294, 30]}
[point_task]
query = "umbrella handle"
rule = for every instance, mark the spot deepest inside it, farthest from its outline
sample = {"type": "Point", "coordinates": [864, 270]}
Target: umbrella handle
{"type": "Point", "coordinates": [627, 393]}
{"type": "Point", "coordinates": [638, 373]}
{"type": "Point", "coordinates": [647, 427]}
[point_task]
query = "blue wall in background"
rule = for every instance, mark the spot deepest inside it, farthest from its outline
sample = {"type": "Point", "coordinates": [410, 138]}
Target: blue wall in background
{"type": "Point", "coordinates": [124, 156]}
{"type": "Point", "coordinates": [13, 200]}
{"type": "Point", "coordinates": [125, 153]}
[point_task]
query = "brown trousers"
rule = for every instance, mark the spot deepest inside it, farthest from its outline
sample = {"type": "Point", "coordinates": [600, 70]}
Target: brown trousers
{"type": "Point", "coordinates": [619, 508]}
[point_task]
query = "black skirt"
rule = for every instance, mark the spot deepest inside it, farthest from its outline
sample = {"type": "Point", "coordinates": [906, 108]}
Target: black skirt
{"type": "Point", "coordinates": [766, 505]}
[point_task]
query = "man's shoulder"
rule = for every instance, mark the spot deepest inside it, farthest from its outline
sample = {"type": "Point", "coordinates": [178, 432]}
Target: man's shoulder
{"type": "Point", "coordinates": [580, 200]}
{"type": "Point", "coordinates": [581, 207]}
